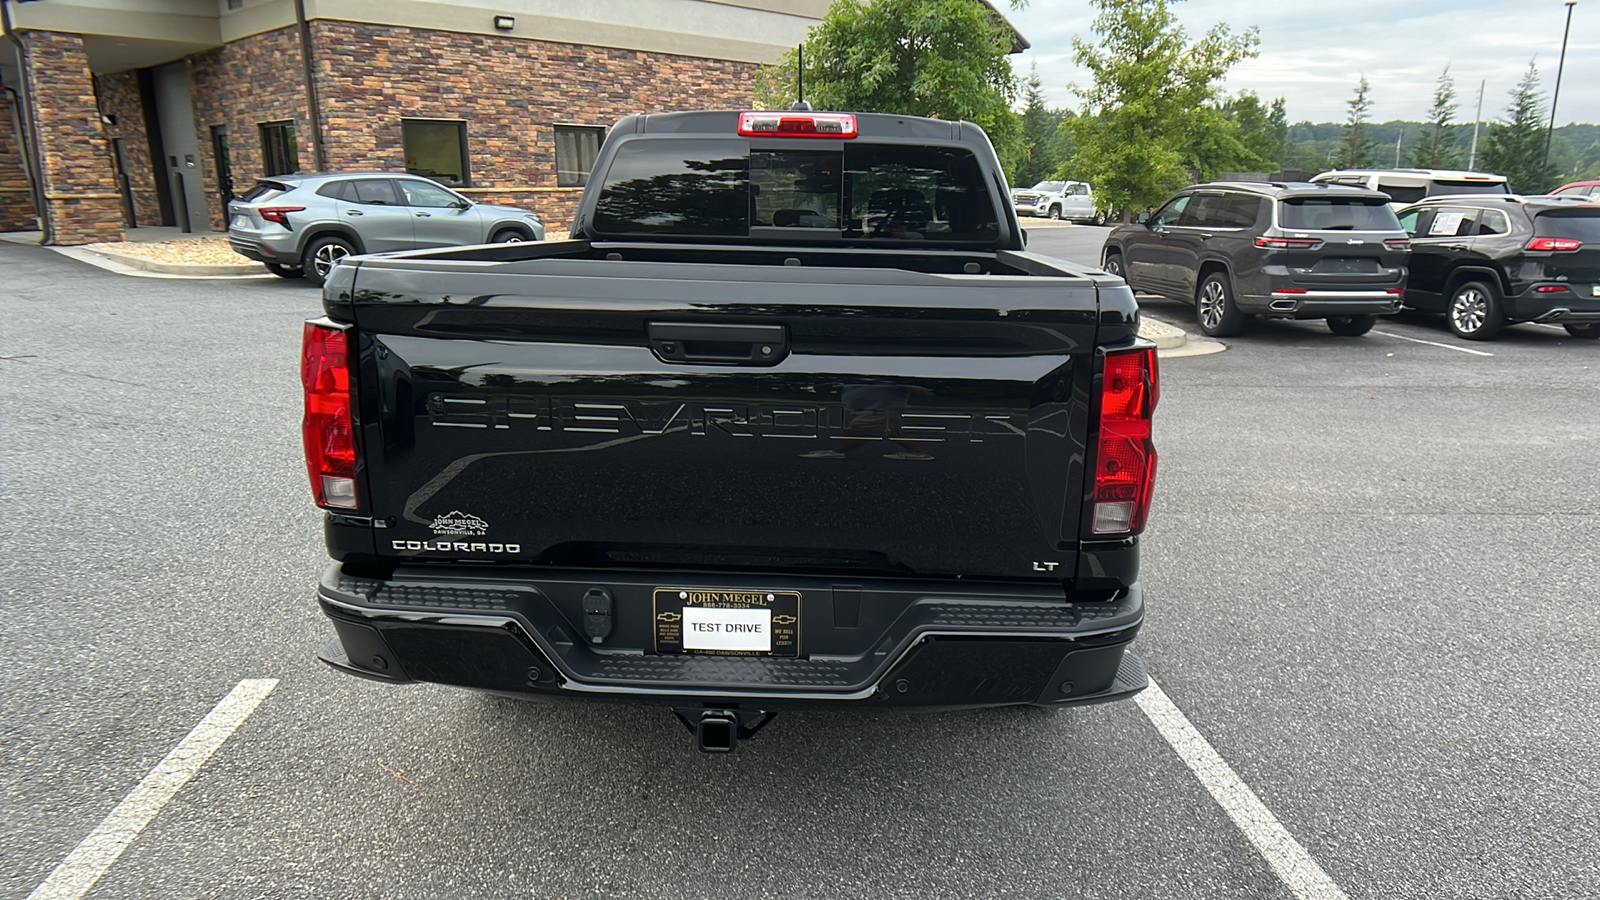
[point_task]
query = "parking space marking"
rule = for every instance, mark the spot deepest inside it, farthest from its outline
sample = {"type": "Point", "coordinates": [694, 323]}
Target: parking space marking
{"type": "Point", "coordinates": [1295, 867]}
{"type": "Point", "coordinates": [91, 859]}
{"type": "Point", "coordinates": [1434, 343]}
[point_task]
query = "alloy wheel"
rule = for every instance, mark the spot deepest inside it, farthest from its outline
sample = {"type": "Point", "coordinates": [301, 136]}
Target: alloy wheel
{"type": "Point", "coordinates": [1469, 310]}
{"type": "Point", "coordinates": [328, 256]}
{"type": "Point", "coordinates": [1213, 304]}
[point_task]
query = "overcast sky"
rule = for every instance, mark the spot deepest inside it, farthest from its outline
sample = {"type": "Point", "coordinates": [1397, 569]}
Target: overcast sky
{"type": "Point", "coordinates": [1314, 51]}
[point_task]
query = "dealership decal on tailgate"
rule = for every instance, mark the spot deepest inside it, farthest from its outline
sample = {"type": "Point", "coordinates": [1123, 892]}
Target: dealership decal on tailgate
{"type": "Point", "coordinates": [730, 623]}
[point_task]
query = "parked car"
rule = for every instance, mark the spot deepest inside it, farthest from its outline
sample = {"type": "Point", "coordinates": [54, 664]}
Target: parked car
{"type": "Point", "coordinates": [1072, 200]}
{"type": "Point", "coordinates": [1405, 186]}
{"type": "Point", "coordinates": [304, 224]}
{"type": "Point", "coordinates": [735, 451]}
{"type": "Point", "coordinates": [1491, 260]}
{"type": "Point", "coordinates": [1282, 250]}
{"type": "Point", "coordinates": [1589, 189]}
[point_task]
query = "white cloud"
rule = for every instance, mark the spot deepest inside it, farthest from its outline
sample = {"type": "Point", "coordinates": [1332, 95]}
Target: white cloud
{"type": "Point", "coordinates": [1314, 51]}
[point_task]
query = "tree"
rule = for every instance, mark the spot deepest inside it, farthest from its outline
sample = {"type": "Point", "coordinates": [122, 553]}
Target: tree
{"type": "Point", "coordinates": [1355, 151]}
{"type": "Point", "coordinates": [1039, 127]}
{"type": "Point", "coordinates": [1515, 146]}
{"type": "Point", "coordinates": [1261, 129]}
{"type": "Point", "coordinates": [1436, 148]}
{"type": "Point", "coordinates": [1148, 114]}
{"type": "Point", "coordinates": [946, 59]}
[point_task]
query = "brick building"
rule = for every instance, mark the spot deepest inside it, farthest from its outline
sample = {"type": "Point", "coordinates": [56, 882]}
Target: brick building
{"type": "Point", "coordinates": [118, 113]}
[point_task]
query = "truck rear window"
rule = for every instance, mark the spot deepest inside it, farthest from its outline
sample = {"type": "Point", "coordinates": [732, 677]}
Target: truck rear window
{"type": "Point", "coordinates": [1337, 214]}
{"type": "Point", "coordinates": [1578, 224]}
{"type": "Point", "coordinates": [723, 188]}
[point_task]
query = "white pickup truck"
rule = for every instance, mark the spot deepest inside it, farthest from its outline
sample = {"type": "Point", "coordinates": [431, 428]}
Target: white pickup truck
{"type": "Point", "coordinates": [1072, 200]}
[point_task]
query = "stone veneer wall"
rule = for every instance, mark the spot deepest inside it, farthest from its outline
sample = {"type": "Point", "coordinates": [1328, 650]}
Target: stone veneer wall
{"type": "Point", "coordinates": [120, 99]}
{"type": "Point", "coordinates": [81, 199]}
{"type": "Point", "coordinates": [510, 91]}
{"type": "Point", "coordinates": [16, 199]}
{"type": "Point", "coordinates": [242, 85]}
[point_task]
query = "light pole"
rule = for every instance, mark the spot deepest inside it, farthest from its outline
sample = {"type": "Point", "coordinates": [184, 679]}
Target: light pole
{"type": "Point", "coordinates": [1550, 133]}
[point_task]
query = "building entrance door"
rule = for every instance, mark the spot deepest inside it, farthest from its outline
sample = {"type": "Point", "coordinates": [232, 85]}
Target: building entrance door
{"type": "Point", "coordinates": [175, 113]}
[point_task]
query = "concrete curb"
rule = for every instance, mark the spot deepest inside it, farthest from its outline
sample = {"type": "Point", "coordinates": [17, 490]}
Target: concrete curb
{"type": "Point", "coordinates": [171, 268]}
{"type": "Point", "coordinates": [1173, 342]}
{"type": "Point", "coordinates": [106, 262]}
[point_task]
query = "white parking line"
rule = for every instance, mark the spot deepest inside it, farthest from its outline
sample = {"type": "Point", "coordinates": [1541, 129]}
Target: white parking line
{"type": "Point", "coordinates": [1434, 344]}
{"type": "Point", "coordinates": [89, 860]}
{"type": "Point", "coordinates": [1298, 871]}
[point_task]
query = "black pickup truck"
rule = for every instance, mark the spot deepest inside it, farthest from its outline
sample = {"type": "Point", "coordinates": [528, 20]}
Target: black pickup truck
{"type": "Point", "coordinates": [792, 419]}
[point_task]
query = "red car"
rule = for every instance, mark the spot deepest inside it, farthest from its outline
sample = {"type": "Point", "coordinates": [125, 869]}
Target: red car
{"type": "Point", "coordinates": [1590, 189]}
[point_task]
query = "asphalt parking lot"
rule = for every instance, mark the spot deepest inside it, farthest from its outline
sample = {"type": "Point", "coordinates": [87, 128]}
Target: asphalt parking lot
{"type": "Point", "coordinates": [1371, 584]}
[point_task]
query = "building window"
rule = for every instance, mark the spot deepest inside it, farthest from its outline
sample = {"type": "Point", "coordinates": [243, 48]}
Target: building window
{"type": "Point", "coordinates": [576, 148]}
{"type": "Point", "coordinates": [436, 149]}
{"type": "Point", "coordinates": [278, 154]}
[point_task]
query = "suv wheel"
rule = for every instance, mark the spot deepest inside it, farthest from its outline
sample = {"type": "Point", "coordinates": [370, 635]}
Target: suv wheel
{"type": "Point", "coordinates": [1214, 307]}
{"type": "Point", "coordinates": [283, 271]}
{"type": "Point", "coordinates": [1055, 212]}
{"type": "Point", "coordinates": [1351, 326]}
{"type": "Point", "coordinates": [1113, 265]}
{"type": "Point", "coordinates": [321, 255]}
{"type": "Point", "coordinates": [1474, 312]}
{"type": "Point", "coordinates": [1589, 332]}
{"type": "Point", "coordinates": [507, 236]}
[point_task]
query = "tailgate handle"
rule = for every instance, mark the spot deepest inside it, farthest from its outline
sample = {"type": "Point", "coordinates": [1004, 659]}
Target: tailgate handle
{"type": "Point", "coordinates": [719, 345]}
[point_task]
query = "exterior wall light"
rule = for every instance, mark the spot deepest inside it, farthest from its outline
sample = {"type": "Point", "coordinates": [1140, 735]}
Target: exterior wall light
{"type": "Point", "coordinates": [505, 23]}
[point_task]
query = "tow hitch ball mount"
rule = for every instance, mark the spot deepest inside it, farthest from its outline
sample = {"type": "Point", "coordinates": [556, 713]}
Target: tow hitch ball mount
{"type": "Point", "coordinates": [720, 730]}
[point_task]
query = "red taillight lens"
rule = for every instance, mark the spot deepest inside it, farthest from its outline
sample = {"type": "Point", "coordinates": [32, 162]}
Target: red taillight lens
{"type": "Point", "coordinates": [1397, 243]}
{"type": "Point", "coordinates": [328, 429]}
{"type": "Point", "coordinates": [1125, 457]}
{"type": "Point", "coordinates": [797, 124]}
{"type": "Point", "coordinates": [279, 214]}
{"type": "Point", "coordinates": [1550, 289]}
{"type": "Point", "coordinates": [1281, 243]}
{"type": "Point", "coordinates": [1554, 245]}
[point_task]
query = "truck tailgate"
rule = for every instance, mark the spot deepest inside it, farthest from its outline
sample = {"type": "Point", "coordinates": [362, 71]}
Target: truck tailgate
{"type": "Point", "coordinates": [617, 413]}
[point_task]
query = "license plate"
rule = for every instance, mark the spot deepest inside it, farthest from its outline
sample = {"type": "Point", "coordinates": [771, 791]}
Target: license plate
{"type": "Point", "coordinates": [727, 622]}
{"type": "Point", "coordinates": [1344, 265]}
{"type": "Point", "coordinates": [1594, 290]}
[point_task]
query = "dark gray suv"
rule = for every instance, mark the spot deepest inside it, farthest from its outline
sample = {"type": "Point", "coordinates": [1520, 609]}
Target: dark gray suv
{"type": "Point", "coordinates": [304, 224]}
{"type": "Point", "coordinates": [1292, 251]}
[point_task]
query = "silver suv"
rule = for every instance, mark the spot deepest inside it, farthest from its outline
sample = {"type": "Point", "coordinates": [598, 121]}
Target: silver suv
{"type": "Point", "coordinates": [304, 224]}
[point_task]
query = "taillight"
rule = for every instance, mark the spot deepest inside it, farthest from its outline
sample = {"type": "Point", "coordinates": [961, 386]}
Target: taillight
{"type": "Point", "coordinates": [279, 214]}
{"type": "Point", "coordinates": [1555, 245]}
{"type": "Point", "coordinates": [1550, 289]}
{"type": "Point", "coordinates": [1282, 243]}
{"type": "Point", "coordinates": [797, 124]}
{"type": "Point", "coordinates": [1397, 243]}
{"type": "Point", "coordinates": [328, 429]}
{"type": "Point", "coordinates": [1125, 457]}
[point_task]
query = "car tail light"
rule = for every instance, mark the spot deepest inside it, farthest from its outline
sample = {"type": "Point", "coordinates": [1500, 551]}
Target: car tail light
{"type": "Point", "coordinates": [1282, 243]}
{"type": "Point", "coordinates": [1550, 288]}
{"type": "Point", "coordinates": [797, 124]}
{"type": "Point", "coordinates": [1397, 243]}
{"type": "Point", "coordinates": [1556, 245]}
{"type": "Point", "coordinates": [1291, 290]}
{"type": "Point", "coordinates": [1125, 457]}
{"type": "Point", "coordinates": [328, 428]}
{"type": "Point", "coordinates": [279, 214]}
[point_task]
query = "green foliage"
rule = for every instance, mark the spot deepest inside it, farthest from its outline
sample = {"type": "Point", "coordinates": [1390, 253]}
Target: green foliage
{"type": "Point", "coordinates": [947, 59]}
{"type": "Point", "coordinates": [1436, 148]}
{"type": "Point", "coordinates": [1515, 147]}
{"type": "Point", "coordinates": [1042, 136]}
{"type": "Point", "coordinates": [1260, 129]}
{"type": "Point", "coordinates": [1149, 115]}
{"type": "Point", "coordinates": [1358, 146]}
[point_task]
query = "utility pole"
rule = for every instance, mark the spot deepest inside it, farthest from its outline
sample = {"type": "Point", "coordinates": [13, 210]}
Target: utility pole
{"type": "Point", "coordinates": [1550, 133]}
{"type": "Point", "coordinates": [1472, 158]}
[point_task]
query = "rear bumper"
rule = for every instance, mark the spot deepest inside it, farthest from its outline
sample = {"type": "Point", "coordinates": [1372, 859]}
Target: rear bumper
{"type": "Point", "coordinates": [1321, 303]}
{"type": "Point", "coordinates": [1575, 306]}
{"type": "Point", "coordinates": [917, 646]}
{"type": "Point", "coordinates": [264, 249]}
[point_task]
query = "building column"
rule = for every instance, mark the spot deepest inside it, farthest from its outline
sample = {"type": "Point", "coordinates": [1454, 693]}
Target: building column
{"type": "Point", "coordinates": [82, 204]}
{"type": "Point", "coordinates": [16, 197]}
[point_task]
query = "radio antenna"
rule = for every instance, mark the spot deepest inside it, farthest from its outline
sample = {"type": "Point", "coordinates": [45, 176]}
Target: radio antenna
{"type": "Point", "coordinates": [800, 79]}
